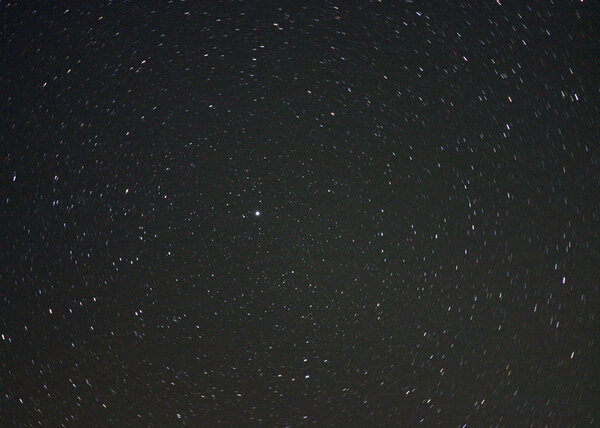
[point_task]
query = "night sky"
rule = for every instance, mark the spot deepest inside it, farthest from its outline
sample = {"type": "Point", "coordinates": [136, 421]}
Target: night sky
{"type": "Point", "coordinates": [281, 214]}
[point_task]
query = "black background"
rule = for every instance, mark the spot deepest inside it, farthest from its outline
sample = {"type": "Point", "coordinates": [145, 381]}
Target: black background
{"type": "Point", "coordinates": [426, 175]}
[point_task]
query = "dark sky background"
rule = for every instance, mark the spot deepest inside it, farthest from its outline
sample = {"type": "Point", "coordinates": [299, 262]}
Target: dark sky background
{"type": "Point", "coordinates": [334, 213]}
